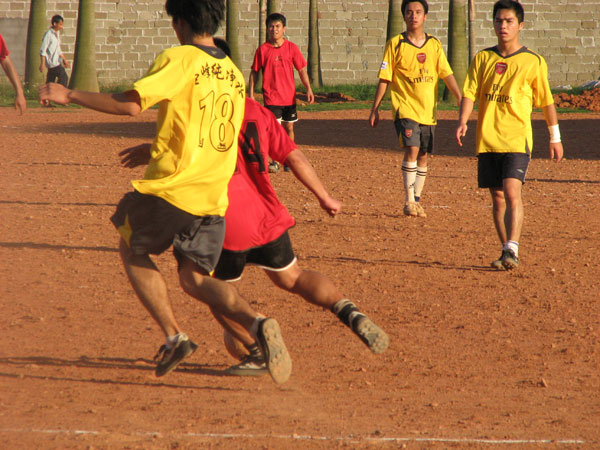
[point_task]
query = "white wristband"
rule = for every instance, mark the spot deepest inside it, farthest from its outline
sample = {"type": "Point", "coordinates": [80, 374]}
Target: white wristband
{"type": "Point", "coordinates": [554, 134]}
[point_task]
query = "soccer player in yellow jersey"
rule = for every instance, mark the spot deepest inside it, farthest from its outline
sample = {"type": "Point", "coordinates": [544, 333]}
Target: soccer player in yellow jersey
{"type": "Point", "coordinates": [413, 63]}
{"type": "Point", "coordinates": [183, 197]}
{"type": "Point", "coordinates": [507, 80]}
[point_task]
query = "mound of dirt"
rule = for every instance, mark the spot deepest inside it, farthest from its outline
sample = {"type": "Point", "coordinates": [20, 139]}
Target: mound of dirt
{"type": "Point", "coordinates": [589, 100]}
{"type": "Point", "coordinates": [331, 97]}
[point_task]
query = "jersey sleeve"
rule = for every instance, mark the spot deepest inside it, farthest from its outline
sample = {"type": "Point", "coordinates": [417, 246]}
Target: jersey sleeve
{"type": "Point", "coordinates": [443, 66]}
{"type": "Point", "coordinates": [542, 96]}
{"type": "Point", "coordinates": [162, 81]}
{"type": "Point", "coordinates": [471, 85]}
{"type": "Point", "coordinates": [3, 49]}
{"type": "Point", "coordinates": [257, 62]}
{"type": "Point", "coordinates": [386, 70]}
{"type": "Point", "coordinates": [297, 58]}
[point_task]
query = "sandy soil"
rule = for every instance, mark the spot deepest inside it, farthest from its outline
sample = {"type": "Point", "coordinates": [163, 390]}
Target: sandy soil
{"type": "Point", "coordinates": [478, 358]}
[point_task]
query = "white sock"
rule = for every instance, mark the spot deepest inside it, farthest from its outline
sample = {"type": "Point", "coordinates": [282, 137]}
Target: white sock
{"type": "Point", "coordinates": [514, 246]}
{"type": "Point", "coordinates": [409, 174]}
{"type": "Point", "coordinates": [420, 181]}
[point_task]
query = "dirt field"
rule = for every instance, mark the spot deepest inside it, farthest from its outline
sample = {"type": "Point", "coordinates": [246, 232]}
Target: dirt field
{"type": "Point", "coordinates": [478, 358]}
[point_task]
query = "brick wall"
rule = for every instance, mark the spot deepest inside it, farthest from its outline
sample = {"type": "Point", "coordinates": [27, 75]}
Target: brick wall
{"type": "Point", "coordinates": [129, 34]}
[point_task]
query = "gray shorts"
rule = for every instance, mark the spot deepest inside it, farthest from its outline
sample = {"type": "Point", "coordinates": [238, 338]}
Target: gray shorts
{"type": "Point", "coordinates": [150, 225]}
{"type": "Point", "coordinates": [413, 134]}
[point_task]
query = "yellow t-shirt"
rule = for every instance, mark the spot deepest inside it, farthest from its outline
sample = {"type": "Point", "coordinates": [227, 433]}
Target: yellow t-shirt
{"type": "Point", "coordinates": [507, 88]}
{"type": "Point", "coordinates": [413, 73]}
{"type": "Point", "coordinates": [200, 93]}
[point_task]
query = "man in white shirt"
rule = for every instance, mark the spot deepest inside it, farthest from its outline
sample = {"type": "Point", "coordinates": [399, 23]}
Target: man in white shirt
{"type": "Point", "coordinates": [51, 55]}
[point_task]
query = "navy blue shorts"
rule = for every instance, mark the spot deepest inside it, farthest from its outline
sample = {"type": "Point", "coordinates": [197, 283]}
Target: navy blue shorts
{"type": "Point", "coordinates": [493, 168]}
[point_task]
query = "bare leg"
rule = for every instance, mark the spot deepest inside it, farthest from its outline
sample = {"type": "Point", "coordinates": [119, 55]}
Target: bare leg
{"type": "Point", "coordinates": [289, 129]}
{"type": "Point", "coordinates": [514, 210]}
{"type": "Point", "coordinates": [150, 287]}
{"type": "Point", "coordinates": [499, 213]}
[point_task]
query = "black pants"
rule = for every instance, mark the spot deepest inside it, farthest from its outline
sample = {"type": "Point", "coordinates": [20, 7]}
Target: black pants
{"type": "Point", "coordinates": [57, 73]}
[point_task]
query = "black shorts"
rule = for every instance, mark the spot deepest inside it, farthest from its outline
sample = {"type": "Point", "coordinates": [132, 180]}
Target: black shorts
{"type": "Point", "coordinates": [493, 168]}
{"type": "Point", "coordinates": [413, 134]}
{"type": "Point", "coordinates": [150, 225]}
{"type": "Point", "coordinates": [284, 113]}
{"type": "Point", "coordinates": [277, 255]}
{"type": "Point", "coordinates": [57, 74]}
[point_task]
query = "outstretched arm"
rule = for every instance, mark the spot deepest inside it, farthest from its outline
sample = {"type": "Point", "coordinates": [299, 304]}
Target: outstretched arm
{"type": "Point", "coordinates": [379, 94]}
{"type": "Point", "coordinates": [466, 108]}
{"type": "Point", "coordinates": [125, 103]}
{"type": "Point", "coordinates": [306, 82]}
{"type": "Point", "coordinates": [556, 147]}
{"type": "Point", "coordinates": [452, 86]}
{"type": "Point", "coordinates": [13, 76]}
{"type": "Point", "coordinates": [306, 174]}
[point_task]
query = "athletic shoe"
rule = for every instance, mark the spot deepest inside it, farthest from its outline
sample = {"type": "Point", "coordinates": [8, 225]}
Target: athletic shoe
{"type": "Point", "coordinates": [372, 335]}
{"type": "Point", "coordinates": [274, 167]}
{"type": "Point", "coordinates": [273, 348]}
{"type": "Point", "coordinates": [420, 211]}
{"type": "Point", "coordinates": [410, 209]}
{"type": "Point", "coordinates": [286, 168]}
{"type": "Point", "coordinates": [251, 366]}
{"type": "Point", "coordinates": [172, 356]}
{"type": "Point", "coordinates": [497, 264]}
{"type": "Point", "coordinates": [510, 261]}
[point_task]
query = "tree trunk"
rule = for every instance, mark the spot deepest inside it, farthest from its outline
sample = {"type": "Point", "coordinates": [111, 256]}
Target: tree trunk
{"type": "Point", "coordinates": [472, 47]}
{"type": "Point", "coordinates": [273, 6]}
{"type": "Point", "coordinates": [314, 56]}
{"type": "Point", "coordinates": [262, 16]}
{"type": "Point", "coordinates": [232, 36]}
{"type": "Point", "coordinates": [458, 47]}
{"type": "Point", "coordinates": [84, 76]}
{"type": "Point", "coordinates": [395, 23]}
{"type": "Point", "coordinates": [35, 34]}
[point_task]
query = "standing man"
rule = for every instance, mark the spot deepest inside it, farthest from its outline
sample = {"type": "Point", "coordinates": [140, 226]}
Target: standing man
{"type": "Point", "coordinates": [413, 63]}
{"type": "Point", "coordinates": [183, 197]}
{"type": "Point", "coordinates": [51, 56]}
{"type": "Point", "coordinates": [277, 59]}
{"type": "Point", "coordinates": [13, 76]}
{"type": "Point", "coordinates": [507, 80]}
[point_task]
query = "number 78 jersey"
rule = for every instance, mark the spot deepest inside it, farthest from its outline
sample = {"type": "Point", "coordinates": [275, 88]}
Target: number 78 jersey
{"type": "Point", "coordinates": [201, 98]}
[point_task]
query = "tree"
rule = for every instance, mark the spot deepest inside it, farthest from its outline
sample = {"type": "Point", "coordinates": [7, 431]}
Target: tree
{"type": "Point", "coordinates": [395, 23]}
{"type": "Point", "coordinates": [472, 49]}
{"type": "Point", "coordinates": [273, 6]}
{"type": "Point", "coordinates": [35, 33]}
{"type": "Point", "coordinates": [314, 54]}
{"type": "Point", "coordinates": [84, 76]}
{"type": "Point", "coordinates": [458, 48]}
{"type": "Point", "coordinates": [231, 34]}
{"type": "Point", "coordinates": [262, 16]}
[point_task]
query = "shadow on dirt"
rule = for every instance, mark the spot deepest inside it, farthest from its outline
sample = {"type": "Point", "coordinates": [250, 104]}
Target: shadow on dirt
{"type": "Point", "coordinates": [86, 362]}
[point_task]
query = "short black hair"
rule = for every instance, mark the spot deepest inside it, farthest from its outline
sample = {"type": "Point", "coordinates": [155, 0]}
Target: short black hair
{"type": "Point", "coordinates": [203, 16]}
{"type": "Point", "coordinates": [512, 5]}
{"type": "Point", "coordinates": [276, 17]}
{"type": "Point", "coordinates": [223, 45]}
{"type": "Point", "coordinates": [57, 18]}
{"type": "Point", "coordinates": [422, 2]}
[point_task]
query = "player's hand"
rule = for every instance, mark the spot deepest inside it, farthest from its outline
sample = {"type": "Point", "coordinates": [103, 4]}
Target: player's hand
{"type": "Point", "coordinates": [135, 156]}
{"type": "Point", "coordinates": [66, 63]}
{"type": "Point", "coordinates": [53, 92]}
{"type": "Point", "coordinates": [556, 151]}
{"type": "Point", "coordinates": [461, 132]}
{"type": "Point", "coordinates": [20, 103]}
{"type": "Point", "coordinates": [310, 96]}
{"type": "Point", "coordinates": [374, 118]}
{"type": "Point", "coordinates": [331, 206]}
{"type": "Point", "coordinates": [42, 69]}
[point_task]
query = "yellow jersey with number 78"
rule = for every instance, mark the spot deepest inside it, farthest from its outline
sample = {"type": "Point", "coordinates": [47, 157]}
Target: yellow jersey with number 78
{"type": "Point", "coordinates": [201, 98]}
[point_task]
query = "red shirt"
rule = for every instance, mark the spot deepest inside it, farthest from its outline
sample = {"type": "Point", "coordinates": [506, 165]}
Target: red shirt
{"type": "Point", "coordinates": [255, 215]}
{"type": "Point", "coordinates": [3, 49]}
{"type": "Point", "coordinates": [277, 65]}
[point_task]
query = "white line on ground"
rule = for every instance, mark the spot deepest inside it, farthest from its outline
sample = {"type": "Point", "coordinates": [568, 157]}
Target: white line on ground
{"type": "Point", "coordinates": [312, 438]}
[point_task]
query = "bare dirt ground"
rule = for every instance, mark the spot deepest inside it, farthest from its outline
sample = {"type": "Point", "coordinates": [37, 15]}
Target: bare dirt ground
{"type": "Point", "coordinates": [478, 358]}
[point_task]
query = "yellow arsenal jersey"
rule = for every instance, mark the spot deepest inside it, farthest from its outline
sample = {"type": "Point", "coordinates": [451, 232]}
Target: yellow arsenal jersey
{"type": "Point", "coordinates": [507, 88]}
{"type": "Point", "coordinates": [413, 73]}
{"type": "Point", "coordinates": [201, 98]}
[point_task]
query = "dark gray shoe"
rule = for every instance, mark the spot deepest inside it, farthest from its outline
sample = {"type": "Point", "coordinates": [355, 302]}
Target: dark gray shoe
{"type": "Point", "coordinates": [375, 338]}
{"type": "Point", "coordinates": [273, 348]}
{"type": "Point", "coordinates": [509, 260]}
{"type": "Point", "coordinates": [171, 357]}
{"type": "Point", "coordinates": [250, 366]}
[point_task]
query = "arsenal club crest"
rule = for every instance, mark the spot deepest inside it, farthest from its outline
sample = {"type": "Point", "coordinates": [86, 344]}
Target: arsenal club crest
{"type": "Point", "coordinates": [501, 68]}
{"type": "Point", "coordinates": [421, 57]}
{"type": "Point", "coordinates": [408, 132]}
